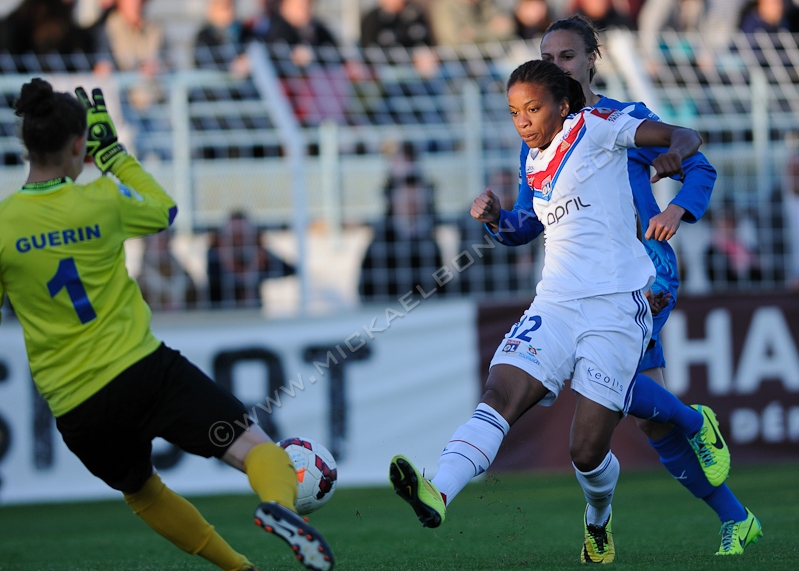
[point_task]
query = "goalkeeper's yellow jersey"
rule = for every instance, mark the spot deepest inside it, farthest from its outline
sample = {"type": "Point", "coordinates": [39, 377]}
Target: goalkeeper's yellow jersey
{"type": "Point", "coordinates": [62, 264]}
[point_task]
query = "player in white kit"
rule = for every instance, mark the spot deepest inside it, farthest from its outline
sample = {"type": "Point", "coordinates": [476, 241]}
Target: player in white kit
{"type": "Point", "coordinates": [590, 321]}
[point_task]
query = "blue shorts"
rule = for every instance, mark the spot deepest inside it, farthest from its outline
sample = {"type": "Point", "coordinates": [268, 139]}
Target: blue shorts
{"type": "Point", "coordinates": [653, 357]}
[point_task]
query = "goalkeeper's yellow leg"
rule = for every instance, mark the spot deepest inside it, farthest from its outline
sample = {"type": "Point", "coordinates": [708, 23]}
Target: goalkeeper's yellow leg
{"type": "Point", "coordinates": [177, 520]}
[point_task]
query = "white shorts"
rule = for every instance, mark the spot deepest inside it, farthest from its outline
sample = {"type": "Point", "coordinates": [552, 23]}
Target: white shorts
{"type": "Point", "coordinates": [595, 341]}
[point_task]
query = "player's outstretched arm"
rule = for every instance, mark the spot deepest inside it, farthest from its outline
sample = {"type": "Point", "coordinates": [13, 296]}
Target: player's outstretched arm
{"type": "Point", "coordinates": [145, 206]}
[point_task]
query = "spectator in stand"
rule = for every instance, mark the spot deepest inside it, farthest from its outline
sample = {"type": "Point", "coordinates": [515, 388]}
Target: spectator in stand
{"type": "Point", "coordinates": [495, 269]}
{"type": "Point", "coordinates": [457, 22]}
{"type": "Point", "coordinates": [164, 283]}
{"type": "Point", "coordinates": [602, 13]}
{"type": "Point", "coordinates": [312, 76]}
{"type": "Point", "coordinates": [134, 41]}
{"type": "Point", "coordinates": [764, 16]}
{"type": "Point", "coordinates": [403, 256]}
{"type": "Point", "coordinates": [135, 44]}
{"type": "Point", "coordinates": [729, 260]}
{"type": "Point", "coordinates": [532, 18]}
{"type": "Point", "coordinates": [296, 25]}
{"type": "Point", "coordinates": [220, 42]}
{"type": "Point", "coordinates": [238, 263]}
{"type": "Point", "coordinates": [44, 27]}
{"type": "Point", "coordinates": [396, 23]}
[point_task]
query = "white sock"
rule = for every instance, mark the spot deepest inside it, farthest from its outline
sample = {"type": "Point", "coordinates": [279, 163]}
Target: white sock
{"type": "Point", "coordinates": [470, 451]}
{"type": "Point", "coordinates": [598, 486]}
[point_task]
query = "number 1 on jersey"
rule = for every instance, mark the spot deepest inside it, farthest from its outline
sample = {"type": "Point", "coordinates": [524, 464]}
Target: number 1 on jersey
{"type": "Point", "coordinates": [67, 277]}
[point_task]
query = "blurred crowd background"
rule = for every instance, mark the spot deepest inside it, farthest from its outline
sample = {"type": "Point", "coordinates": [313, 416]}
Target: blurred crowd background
{"type": "Point", "coordinates": [325, 153]}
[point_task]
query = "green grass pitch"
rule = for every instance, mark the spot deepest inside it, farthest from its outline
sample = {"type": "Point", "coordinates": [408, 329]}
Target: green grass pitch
{"type": "Point", "coordinates": [506, 521]}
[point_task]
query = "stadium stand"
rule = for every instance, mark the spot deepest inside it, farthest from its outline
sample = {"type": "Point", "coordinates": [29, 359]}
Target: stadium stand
{"type": "Point", "coordinates": [300, 149]}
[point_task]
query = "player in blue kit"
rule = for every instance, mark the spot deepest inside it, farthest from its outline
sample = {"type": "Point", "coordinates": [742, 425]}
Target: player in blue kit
{"type": "Point", "coordinates": [573, 45]}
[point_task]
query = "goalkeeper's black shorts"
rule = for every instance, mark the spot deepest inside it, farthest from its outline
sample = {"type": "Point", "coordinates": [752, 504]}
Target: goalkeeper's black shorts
{"type": "Point", "coordinates": [163, 395]}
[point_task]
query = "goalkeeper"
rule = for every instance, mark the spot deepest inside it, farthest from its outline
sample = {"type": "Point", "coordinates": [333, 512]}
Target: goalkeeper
{"type": "Point", "coordinates": [110, 383]}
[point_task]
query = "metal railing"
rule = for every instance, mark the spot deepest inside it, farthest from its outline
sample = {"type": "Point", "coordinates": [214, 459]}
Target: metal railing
{"type": "Point", "coordinates": [301, 148]}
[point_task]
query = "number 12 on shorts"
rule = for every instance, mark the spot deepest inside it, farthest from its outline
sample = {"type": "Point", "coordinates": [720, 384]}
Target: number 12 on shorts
{"type": "Point", "coordinates": [67, 277]}
{"type": "Point", "coordinates": [525, 326]}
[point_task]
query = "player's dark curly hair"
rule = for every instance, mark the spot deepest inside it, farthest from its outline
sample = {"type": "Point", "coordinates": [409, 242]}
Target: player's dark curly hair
{"type": "Point", "coordinates": [49, 118]}
{"type": "Point", "coordinates": [553, 79]}
{"type": "Point", "coordinates": [584, 28]}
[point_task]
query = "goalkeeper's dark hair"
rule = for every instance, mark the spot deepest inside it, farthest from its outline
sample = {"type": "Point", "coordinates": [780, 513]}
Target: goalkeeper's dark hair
{"type": "Point", "coordinates": [553, 79]}
{"type": "Point", "coordinates": [49, 119]}
{"type": "Point", "coordinates": [584, 28]}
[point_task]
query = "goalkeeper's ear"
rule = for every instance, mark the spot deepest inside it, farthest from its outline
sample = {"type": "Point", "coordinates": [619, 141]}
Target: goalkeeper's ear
{"type": "Point", "coordinates": [82, 97]}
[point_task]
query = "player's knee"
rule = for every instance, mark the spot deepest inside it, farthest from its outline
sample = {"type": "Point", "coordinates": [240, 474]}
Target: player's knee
{"type": "Point", "coordinates": [134, 481]}
{"type": "Point", "coordinates": [585, 456]}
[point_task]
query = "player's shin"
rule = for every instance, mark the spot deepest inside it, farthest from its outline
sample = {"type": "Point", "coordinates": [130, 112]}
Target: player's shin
{"type": "Point", "coordinates": [470, 451]}
{"type": "Point", "coordinates": [598, 486]}
{"type": "Point", "coordinates": [177, 520]}
{"type": "Point", "coordinates": [652, 402]}
{"type": "Point", "coordinates": [680, 460]}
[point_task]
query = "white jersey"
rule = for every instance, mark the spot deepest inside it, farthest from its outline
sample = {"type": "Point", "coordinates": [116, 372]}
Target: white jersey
{"type": "Point", "coordinates": [582, 196]}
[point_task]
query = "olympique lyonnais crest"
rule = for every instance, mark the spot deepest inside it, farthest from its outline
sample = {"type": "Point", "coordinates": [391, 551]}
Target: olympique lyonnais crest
{"type": "Point", "coordinates": [546, 184]}
{"type": "Point", "coordinates": [546, 187]}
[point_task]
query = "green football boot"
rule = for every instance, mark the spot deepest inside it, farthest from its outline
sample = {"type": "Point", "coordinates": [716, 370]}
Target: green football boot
{"type": "Point", "coordinates": [736, 535]}
{"type": "Point", "coordinates": [710, 448]}
{"type": "Point", "coordinates": [418, 491]}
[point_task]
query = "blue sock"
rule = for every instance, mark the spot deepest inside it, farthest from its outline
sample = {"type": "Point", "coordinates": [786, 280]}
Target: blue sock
{"type": "Point", "coordinates": [680, 460]}
{"type": "Point", "coordinates": [652, 402]}
{"type": "Point", "coordinates": [725, 504]}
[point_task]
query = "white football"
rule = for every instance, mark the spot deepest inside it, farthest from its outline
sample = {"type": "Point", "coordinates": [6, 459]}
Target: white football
{"type": "Point", "coordinates": [316, 473]}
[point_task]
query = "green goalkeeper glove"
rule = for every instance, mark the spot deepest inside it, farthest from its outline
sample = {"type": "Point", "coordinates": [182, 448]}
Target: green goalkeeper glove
{"type": "Point", "coordinates": [101, 143]}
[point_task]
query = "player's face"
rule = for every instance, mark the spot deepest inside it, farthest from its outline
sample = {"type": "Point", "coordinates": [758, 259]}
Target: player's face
{"type": "Point", "coordinates": [567, 50]}
{"type": "Point", "coordinates": [536, 115]}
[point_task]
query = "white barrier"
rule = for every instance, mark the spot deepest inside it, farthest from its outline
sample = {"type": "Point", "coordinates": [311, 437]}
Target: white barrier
{"type": "Point", "coordinates": [409, 378]}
